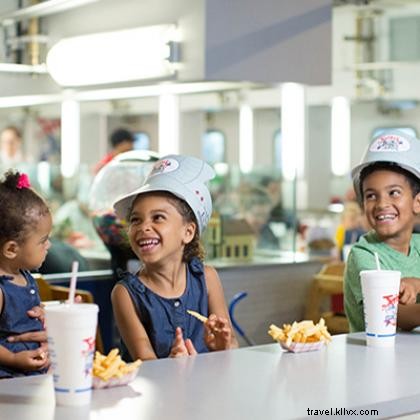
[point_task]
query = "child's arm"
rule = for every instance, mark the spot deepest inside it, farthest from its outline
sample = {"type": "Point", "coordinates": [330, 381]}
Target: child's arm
{"type": "Point", "coordinates": [408, 316]}
{"type": "Point", "coordinates": [219, 331]}
{"type": "Point", "coordinates": [409, 289]}
{"type": "Point", "coordinates": [40, 336]}
{"type": "Point", "coordinates": [130, 326]}
{"type": "Point", "coordinates": [26, 360]}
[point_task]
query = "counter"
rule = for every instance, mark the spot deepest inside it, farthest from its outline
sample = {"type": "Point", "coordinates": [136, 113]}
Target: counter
{"type": "Point", "coordinates": [246, 384]}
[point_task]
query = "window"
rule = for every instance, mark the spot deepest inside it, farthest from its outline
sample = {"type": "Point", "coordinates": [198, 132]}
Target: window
{"type": "Point", "coordinates": [277, 150]}
{"type": "Point", "coordinates": [407, 130]}
{"type": "Point", "coordinates": [141, 141]}
{"type": "Point", "coordinates": [236, 251]}
{"type": "Point", "coordinates": [245, 250]}
{"type": "Point", "coordinates": [213, 146]}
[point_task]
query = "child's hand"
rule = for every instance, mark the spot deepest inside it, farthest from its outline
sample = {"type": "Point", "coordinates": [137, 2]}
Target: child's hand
{"type": "Point", "coordinates": [31, 359]}
{"type": "Point", "coordinates": [409, 288]}
{"type": "Point", "coordinates": [218, 333]}
{"type": "Point", "coordinates": [181, 347]}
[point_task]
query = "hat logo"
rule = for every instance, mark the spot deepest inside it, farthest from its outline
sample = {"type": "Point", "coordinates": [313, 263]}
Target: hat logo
{"type": "Point", "coordinates": [390, 143]}
{"type": "Point", "coordinates": [164, 166]}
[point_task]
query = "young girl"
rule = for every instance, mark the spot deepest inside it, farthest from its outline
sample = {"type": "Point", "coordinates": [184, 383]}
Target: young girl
{"type": "Point", "coordinates": [25, 225]}
{"type": "Point", "coordinates": [165, 219]}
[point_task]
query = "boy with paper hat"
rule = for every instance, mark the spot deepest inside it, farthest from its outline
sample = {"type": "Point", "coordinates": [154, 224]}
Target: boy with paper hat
{"type": "Point", "coordinates": [166, 217]}
{"type": "Point", "coordinates": [387, 183]}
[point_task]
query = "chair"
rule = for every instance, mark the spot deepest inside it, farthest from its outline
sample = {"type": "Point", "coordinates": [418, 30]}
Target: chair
{"type": "Point", "coordinates": [326, 284]}
{"type": "Point", "coordinates": [49, 292]}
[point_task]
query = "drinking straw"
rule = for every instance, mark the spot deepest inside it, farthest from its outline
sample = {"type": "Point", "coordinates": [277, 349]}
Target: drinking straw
{"type": "Point", "coordinates": [73, 279]}
{"type": "Point", "coordinates": [378, 266]}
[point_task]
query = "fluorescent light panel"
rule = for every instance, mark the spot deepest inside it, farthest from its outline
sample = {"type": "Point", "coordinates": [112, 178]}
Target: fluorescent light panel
{"type": "Point", "coordinates": [246, 138]}
{"type": "Point", "coordinates": [293, 130]}
{"type": "Point", "coordinates": [47, 7]}
{"type": "Point", "coordinates": [168, 124]}
{"type": "Point", "coordinates": [70, 137]}
{"type": "Point", "coordinates": [340, 136]}
{"type": "Point", "coordinates": [23, 68]}
{"type": "Point", "coordinates": [109, 57]}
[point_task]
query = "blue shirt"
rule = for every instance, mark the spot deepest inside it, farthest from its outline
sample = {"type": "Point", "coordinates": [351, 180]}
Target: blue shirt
{"type": "Point", "coordinates": [17, 300]}
{"type": "Point", "coordinates": [160, 316]}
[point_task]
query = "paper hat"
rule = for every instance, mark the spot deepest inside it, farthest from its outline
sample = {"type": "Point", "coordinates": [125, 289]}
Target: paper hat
{"type": "Point", "coordinates": [393, 147]}
{"type": "Point", "coordinates": [184, 177]}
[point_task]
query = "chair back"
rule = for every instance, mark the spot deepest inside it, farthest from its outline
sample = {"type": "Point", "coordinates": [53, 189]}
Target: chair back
{"type": "Point", "coordinates": [50, 292]}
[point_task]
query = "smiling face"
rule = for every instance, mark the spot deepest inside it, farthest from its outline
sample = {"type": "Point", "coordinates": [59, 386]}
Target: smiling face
{"type": "Point", "coordinates": [390, 206]}
{"type": "Point", "coordinates": [157, 231]}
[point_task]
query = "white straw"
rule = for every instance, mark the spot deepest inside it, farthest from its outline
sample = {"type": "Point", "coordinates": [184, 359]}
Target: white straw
{"type": "Point", "coordinates": [378, 266]}
{"type": "Point", "coordinates": [73, 280]}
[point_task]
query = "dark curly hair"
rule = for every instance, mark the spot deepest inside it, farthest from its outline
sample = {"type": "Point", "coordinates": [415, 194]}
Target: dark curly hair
{"type": "Point", "coordinates": [412, 180]}
{"type": "Point", "coordinates": [20, 210]}
{"type": "Point", "coordinates": [195, 247]}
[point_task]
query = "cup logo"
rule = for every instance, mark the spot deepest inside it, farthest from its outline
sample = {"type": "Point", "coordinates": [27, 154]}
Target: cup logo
{"type": "Point", "coordinates": [88, 349]}
{"type": "Point", "coordinates": [390, 308]}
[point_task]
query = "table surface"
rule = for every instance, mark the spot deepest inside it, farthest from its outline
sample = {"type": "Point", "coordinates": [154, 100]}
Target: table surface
{"type": "Point", "coordinates": [261, 382]}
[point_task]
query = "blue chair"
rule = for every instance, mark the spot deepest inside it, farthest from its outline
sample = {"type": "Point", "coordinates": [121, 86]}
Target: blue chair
{"type": "Point", "coordinates": [232, 304]}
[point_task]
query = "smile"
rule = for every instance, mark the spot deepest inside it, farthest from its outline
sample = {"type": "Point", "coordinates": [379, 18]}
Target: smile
{"type": "Point", "coordinates": [148, 243]}
{"type": "Point", "coordinates": [384, 217]}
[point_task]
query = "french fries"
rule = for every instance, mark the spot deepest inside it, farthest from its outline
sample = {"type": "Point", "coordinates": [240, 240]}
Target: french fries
{"type": "Point", "coordinates": [112, 366]}
{"type": "Point", "coordinates": [301, 332]}
{"type": "Point", "coordinates": [197, 315]}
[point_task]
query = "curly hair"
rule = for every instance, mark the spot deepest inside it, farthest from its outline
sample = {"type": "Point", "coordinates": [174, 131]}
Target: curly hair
{"type": "Point", "coordinates": [195, 247]}
{"type": "Point", "coordinates": [20, 210]}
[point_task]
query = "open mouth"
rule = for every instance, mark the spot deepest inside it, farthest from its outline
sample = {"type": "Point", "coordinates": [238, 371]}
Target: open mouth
{"type": "Point", "coordinates": [385, 217]}
{"type": "Point", "coordinates": [148, 244]}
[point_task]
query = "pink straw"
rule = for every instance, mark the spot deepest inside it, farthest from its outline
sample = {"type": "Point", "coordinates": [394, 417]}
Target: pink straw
{"type": "Point", "coordinates": [73, 280]}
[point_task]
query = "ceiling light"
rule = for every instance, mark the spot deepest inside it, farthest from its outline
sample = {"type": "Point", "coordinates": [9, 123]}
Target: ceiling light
{"type": "Point", "coordinates": [133, 54]}
{"type": "Point", "coordinates": [293, 130]}
{"type": "Point", "coordinates": [340, 136]}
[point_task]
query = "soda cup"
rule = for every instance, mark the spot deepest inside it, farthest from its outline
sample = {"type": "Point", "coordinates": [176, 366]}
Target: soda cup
{"type": "Point", "coordinates": [71, 330]}
{"type": "Point", "coordinates": [380, 289]}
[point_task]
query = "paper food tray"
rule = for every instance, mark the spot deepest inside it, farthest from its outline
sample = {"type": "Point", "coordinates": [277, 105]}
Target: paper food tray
{"type": "Point", "coordinates": [302, 347]}
{"type": "Point", "coordinates": [98, 383]}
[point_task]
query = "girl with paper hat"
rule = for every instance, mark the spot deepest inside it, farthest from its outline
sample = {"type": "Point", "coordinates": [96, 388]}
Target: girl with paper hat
{"type": "Point", "coordinates": [387, 183]}
{"type": "Point", "coordinates": [165, 218]}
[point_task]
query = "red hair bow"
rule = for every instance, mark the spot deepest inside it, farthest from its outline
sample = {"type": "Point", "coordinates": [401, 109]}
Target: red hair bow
{"type": "Point", "coordinates": [23, 182]}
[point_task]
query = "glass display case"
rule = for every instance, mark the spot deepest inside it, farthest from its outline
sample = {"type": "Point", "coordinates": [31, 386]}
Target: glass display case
{"type": "Point", "coordinates": [255, 218]}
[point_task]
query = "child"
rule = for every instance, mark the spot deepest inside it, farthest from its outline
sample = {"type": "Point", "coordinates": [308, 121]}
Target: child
{"type": "Point", "coordinates": [166, 217]}
{"type": "Point", "coordinates": [25, 225]}
{"type": "Point", "coordinates": [387, 183]}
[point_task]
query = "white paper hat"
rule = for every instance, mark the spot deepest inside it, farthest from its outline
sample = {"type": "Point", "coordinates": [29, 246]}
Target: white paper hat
{"type": "Point", "coordinates": [391, 146]}
{"type": "Point", "coordinates": [183, 176]}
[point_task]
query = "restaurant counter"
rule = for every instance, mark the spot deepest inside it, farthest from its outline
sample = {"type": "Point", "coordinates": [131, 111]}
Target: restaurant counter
{"type": "Point", "coordinates": [277, 292]}
{"type": "Point", "coordinates": [346, 378]}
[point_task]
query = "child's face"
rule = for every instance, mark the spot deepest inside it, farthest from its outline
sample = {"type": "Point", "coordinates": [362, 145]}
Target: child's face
{"type": "Point", "coordinates": [157, 230]}
{"type": "Point", "coordinates": [389, 205]}
{"type": "Point", "coordinates": [35, 247]}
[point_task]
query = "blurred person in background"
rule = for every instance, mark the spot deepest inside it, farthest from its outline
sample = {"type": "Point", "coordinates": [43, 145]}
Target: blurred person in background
{"type": "Point", "coordinates": [121, 140]}
{"type": "Point", "coordinates": [11, 147]}
{"type": "Point", "coordinates": [255, 209]}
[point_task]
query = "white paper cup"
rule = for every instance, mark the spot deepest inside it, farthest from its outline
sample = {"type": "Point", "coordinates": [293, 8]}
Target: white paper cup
{"type": "Point", "coordinates": [380, 289]}
{"type": "Point", "coordinates": [71, 331]}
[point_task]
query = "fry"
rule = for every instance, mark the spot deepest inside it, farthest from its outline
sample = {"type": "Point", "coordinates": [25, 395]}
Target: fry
{"type": "Point", "coordinates": [300, 332]}
{"type": "Point", "coordinates": [195, 314]}
{"type": "Point", "coordinates": [112, 366]}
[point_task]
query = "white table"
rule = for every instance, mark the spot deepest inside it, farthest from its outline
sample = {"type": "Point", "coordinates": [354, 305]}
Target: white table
{"type": "Point", "coordinates": [261, 382]}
